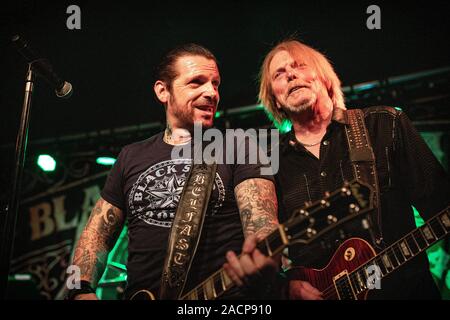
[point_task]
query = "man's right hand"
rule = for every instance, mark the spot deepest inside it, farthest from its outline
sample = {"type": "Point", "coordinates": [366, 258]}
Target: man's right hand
{"type": "Point", "coordinates": [303, 290]}
{"type": "Point", "coordinates": [86, 296]}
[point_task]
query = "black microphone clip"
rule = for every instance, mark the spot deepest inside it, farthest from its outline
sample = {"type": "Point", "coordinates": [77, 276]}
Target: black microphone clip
{"type": "Point", "coordinates": [43, 68]}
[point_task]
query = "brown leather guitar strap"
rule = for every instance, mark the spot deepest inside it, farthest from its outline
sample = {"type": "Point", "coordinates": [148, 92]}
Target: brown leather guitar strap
{"type": "Point", "coordinates": [363, 162]}
{"type": "Point", "coordinates": [186, 229]}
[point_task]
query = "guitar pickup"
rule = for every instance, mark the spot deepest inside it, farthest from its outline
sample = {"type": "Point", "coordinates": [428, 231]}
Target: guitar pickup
{"type": "Point", "coordinates": [344, 287]}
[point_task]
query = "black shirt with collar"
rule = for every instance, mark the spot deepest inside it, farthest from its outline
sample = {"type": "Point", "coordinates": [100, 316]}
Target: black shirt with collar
{"type": "Point", "coordinates": [408, 174]}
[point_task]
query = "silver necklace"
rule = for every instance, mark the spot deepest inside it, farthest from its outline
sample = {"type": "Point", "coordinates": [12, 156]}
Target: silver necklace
{"type": "Point", "coordinates": [309, 145]}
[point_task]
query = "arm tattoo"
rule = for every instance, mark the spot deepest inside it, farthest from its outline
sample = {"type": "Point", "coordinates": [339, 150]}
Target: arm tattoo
{"type": "Point", "coordinates": [98, 238]}
{"type": "Point", "coordinates": [257, 203]}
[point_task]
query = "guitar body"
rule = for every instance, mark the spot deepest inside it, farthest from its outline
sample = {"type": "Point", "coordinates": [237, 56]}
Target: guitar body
{"type": "Point", "coordinates": [351, 254]}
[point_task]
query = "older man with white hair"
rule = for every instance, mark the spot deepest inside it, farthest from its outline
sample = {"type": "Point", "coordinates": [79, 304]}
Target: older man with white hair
{"type": "Point", "coordinates": [329, 145]}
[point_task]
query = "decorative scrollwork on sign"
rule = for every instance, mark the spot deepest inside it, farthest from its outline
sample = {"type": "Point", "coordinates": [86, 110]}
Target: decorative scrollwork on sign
{"type": "Point", "coordinates": [69, 169]}
{"type": "Point", "coordinates": [48, 268]}
{"type": "Point", "coordinates": [80, 167]}
{"type": "Point", "coordinates": [36, 180]}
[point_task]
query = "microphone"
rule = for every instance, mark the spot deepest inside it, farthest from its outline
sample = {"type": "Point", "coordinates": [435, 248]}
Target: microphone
{"type": "Point", "coordinates": [43, 68]}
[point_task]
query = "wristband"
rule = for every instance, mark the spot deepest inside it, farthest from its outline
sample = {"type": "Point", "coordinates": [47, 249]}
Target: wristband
{"type": "Point", "coordinates": [85, 287]}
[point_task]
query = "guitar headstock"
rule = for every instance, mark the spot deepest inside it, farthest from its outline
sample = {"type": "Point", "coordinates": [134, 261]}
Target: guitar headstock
{"type": "Point", "coordinates": [348, 203]}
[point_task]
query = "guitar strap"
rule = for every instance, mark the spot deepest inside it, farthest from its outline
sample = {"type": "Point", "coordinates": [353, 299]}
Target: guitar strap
{"type": "Point", "coordinates": [363, 163]}
{"type": "Point", "coordinates": [186, 229]}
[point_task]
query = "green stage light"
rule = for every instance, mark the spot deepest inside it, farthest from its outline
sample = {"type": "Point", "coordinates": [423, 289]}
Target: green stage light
{"type": "Point", "coordinates": [105, 161]}
{"type": "Point", "coordinates": [46, 162]}
{"type": "Point", "coordinates": [285, 126]}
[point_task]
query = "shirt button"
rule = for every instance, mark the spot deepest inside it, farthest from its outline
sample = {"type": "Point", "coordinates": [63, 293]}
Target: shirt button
{"type": "Point", "coordinates": [323, 174]}
{"type": "Point", "coordinates": [326, 142]}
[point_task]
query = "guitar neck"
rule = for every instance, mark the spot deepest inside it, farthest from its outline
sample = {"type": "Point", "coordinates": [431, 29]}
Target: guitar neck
{"type": "Point", "coordinates": [396, 255]}
{"type": "Point", "coordinates": [305, 225]}
{"type": "Point", "coordinates": [219, 282]}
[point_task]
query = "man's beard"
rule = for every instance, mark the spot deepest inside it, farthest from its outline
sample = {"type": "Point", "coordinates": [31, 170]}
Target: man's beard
{"type": "Point", "coordinates": [184, 116]}
{"type": "Point", "coordinates": [303, 105]}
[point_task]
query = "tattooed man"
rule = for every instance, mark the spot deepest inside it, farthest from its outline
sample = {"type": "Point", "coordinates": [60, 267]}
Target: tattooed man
{"type": "Point", "coordinates": [144, 187]}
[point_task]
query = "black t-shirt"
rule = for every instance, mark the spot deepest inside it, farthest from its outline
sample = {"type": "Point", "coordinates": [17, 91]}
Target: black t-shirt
{"type": "Point", "coordinates": [146, 184]}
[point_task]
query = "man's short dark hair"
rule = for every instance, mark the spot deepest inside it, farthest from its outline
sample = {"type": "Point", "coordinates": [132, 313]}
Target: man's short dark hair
{"type": "Point", "coordinates": [165, 70]}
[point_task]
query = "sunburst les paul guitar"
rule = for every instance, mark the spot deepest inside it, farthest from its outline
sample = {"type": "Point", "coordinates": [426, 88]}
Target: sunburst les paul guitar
{"type": "Point", "coordinates": [349, 203]}
{"type": "Point", "coordinates": [355, 268]}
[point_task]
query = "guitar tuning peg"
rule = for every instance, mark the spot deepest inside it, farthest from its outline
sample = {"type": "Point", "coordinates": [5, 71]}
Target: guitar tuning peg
{"type": "Point", "coordinates": [346, 191]}
{"type": "Point", "coordinates": [310, 232]}
{"type": "Point", "coordinates": [324, 203]}
{"type": "Point", "coordinates": [304, 213]}
{"type": "Point", "coordinates": [365, 224]}
{"type": "Point", "coordinates": [353, 208]}
{"type": "Point", "coordinates": [331, 219]}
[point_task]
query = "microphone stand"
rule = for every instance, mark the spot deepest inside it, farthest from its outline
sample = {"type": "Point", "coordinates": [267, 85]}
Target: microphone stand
{"type": "Point", "coordinates": [8, 232]}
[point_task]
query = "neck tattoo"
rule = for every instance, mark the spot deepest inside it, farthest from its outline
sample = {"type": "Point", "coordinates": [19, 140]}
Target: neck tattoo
{"type": "Point", "coordinates": [168, 134]}
{"type": "Point", "coordinates": [177, 136]}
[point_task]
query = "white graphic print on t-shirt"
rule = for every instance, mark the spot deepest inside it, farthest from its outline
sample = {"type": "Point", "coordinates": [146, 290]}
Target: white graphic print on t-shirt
{"type": "Point", "coordinates": [155, 195]}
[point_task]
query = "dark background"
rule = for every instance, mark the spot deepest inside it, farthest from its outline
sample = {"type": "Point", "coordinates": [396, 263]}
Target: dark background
{"type": "Point", "coordinates": [110, 60]}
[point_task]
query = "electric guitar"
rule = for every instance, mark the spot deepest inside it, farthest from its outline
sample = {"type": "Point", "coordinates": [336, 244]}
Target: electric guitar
{"type": "Point", "coordinates": [355, 267]}
{"type": "Point", "coordinates": [349, 203]}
